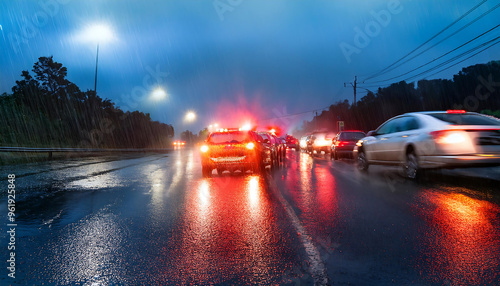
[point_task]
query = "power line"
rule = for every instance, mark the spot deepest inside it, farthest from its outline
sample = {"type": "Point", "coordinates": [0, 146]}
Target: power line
{"type": "Point", "coordinates": [453, 59]}
{"type": "Point", "coordinates": [385, 70]}
{"type": "Point", "coordinates": [491, 42]}
{"type": "Point", "coordinates": [496, 43]}
{"type": "Point", "coordinates": [446, 38]}
{"type": "Point", "coordinates": [445, 54]}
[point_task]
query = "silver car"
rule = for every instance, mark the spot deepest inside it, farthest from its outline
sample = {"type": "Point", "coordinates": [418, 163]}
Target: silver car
{"type": "Point", "coordinates": [438, 139]}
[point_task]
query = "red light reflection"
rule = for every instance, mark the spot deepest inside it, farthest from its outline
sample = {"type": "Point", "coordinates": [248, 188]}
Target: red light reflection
{"type": "Point", "coordinates": [464, 244]}
{"type": "Point", "coordinates": [229, 232]}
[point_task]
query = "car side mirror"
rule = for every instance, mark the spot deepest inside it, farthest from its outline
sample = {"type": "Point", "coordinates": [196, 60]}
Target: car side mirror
{"type": "Point", "coordinates": [371, 133]}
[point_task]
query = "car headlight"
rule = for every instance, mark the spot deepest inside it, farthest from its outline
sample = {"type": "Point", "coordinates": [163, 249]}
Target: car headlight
{"type": "Point", "coordinates": [250, 146]}
{"type": "Point", "coordinates": [204, 148]}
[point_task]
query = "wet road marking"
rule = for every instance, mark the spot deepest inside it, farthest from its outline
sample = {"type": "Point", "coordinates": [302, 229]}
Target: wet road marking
{"type": "Point", "coordinates": [317, 268]}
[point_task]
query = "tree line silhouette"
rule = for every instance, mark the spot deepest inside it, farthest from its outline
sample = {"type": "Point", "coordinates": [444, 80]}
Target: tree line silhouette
{"type": "Point", "coordinates": [475, 88]}
{"type": "Point", "coordinates": [47, 110]}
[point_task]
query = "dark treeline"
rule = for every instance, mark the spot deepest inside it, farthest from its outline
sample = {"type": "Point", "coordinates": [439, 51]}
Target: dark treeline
{"type": "Point", "coordinates": [475, 88]}
{"type": "Point", "coordinates": [47, 110]}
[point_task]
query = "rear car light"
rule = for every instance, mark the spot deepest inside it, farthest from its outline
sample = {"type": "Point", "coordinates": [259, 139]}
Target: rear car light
{"type": "Point", "coordinates": [341, 143]}
{"type": "Point", "coordinates": [449, 136]}
{"type": "Point", "coordinates": [204, 148]}
{"type": "Point", "coordinates": [250, 146]}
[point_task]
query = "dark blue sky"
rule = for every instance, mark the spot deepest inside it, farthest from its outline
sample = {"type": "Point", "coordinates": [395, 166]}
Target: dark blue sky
{"type": "Point", "coordinates": [230, 59]}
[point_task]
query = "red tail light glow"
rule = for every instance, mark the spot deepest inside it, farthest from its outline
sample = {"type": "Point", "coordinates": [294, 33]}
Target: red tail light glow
{"type": "Point", "coordinates": [454, 111]}
{"type": "Point", "coordinates": [341, 143]}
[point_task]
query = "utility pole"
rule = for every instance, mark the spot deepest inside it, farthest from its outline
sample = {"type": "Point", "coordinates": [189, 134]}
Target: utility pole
{"type": "Point", "coordinates": [354, 85]}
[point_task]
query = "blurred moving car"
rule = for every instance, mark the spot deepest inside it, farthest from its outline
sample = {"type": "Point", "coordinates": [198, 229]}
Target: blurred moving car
{"type": "Point", "coordinates": [179, 143]}
{"type": "Point", "coordinates": [439, 139]}
{"type": "Point", "coordinates": [303, 142]}
{"type": "Point", "coordinates": [232, 150]}
{"type": "Point", "coordinates": [292, 142]}
{"type": "Point", "coordinates": [270, 142]}
{"type": "Point", "coordinates": [280, 148]}
{"type": "Point", "coordinates": [343, 143]}
{"type": "Point", "coordinates": [283, 149]}
{"type": "Point", "coordinates": [320, 142]}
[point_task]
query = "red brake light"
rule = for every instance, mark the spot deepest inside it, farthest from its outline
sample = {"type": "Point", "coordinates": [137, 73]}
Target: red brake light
{"type": "Point", "coordinates": [341, 143]}
{"type": "Point", "coordinates": [454, 111]}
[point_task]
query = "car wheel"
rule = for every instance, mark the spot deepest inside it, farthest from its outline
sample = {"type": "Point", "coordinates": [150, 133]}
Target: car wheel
{"type": "Point", "coordinates": [206, 171]}
{"type": "Point", "coordinates": [411, 168]}
{"type": "Point", "coordinates": [335, 156]}
{"type": "Point", "coordinates": [362, 163]}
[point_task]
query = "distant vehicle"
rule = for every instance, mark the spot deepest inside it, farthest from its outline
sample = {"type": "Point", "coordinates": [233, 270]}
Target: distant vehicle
{"type": "Point", "coordinates": [234, 150]}
{"type": "Point", "coordinates": [292, 143]}
{"type": "Point", "coordinates": [280, 148]}
{"type": "Point", "coordinates": [179, 143]}
{"type": "Point", "coordinates": [320, 142]}
{"type": "Point", "coordinates": [283, 148]}
{"type": "Point", "coordinates": [303, 142]}
{"type": "Point", "coordinates": [439, 139]}
{"type": "Point", "coordinates": [343, 143]}
{"type": "Point", "coordinates": [270, 141]}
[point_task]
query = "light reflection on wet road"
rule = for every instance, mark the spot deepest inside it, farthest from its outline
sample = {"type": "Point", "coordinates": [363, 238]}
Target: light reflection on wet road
{"type": "Point", "coordinates": [155, 220]}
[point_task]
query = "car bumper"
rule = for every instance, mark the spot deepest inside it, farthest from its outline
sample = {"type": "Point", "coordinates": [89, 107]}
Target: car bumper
{"type": "Point", "coordinates": [231, 162]}
{"type": "Point", "coordinates": [460, 161]}
{"type": "Point", "coordinates": [344, 149]}
{"type": "Point", "coordinates": [326, 149]}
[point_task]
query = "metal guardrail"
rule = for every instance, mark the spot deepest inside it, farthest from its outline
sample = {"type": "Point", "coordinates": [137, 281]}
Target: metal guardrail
{"type": "Point", "coordinates": [90, 150]}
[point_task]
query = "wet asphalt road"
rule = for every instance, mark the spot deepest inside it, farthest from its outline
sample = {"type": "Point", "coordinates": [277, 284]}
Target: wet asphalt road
{"type": "Point", "coordinates": [153, 220]}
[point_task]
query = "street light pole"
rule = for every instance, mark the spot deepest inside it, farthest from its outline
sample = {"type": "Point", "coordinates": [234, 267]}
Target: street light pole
{"type": "Point", "coordinates": [96, 61]}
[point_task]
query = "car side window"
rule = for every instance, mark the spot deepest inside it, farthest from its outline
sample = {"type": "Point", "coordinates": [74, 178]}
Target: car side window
{"type": "Point", "coordinates": [399, 124]}
{"type": "Point", "coordinates": [387, 128]}
{"type": "Point", "coordinates": [412, 123]}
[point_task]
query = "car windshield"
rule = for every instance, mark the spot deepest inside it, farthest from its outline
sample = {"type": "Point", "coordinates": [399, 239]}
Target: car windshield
{"type": "Point", "coordinates": [465, 119]}
{"type": "Point", "coordinates": [351, 136]}
{"type": "Point", "coordinates": [228, 137]}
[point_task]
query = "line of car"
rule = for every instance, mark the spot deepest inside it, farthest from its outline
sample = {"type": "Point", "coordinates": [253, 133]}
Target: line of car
{"type": "Point", "coordinates": [243, 150]}
{"type": "Point", "coordinates": [417, 141]}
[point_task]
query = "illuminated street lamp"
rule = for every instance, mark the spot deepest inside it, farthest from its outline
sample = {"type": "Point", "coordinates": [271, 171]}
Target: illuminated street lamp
{"type": "Point", "coordinates": [99, 33]}
{"type": "Point", "coordinates": [158, 94]}
{"type": "Point", "coordinates": [190, 116]}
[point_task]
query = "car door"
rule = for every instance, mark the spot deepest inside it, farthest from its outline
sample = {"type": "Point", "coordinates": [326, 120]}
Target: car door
{"type": "Point", "coordinates": [394, 141]}
{"type": "Point", "coordinates": [376, 148]}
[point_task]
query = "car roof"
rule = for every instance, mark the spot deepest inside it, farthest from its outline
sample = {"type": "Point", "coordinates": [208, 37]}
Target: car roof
{"type": "Point", "coordinates": [435, 112]}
